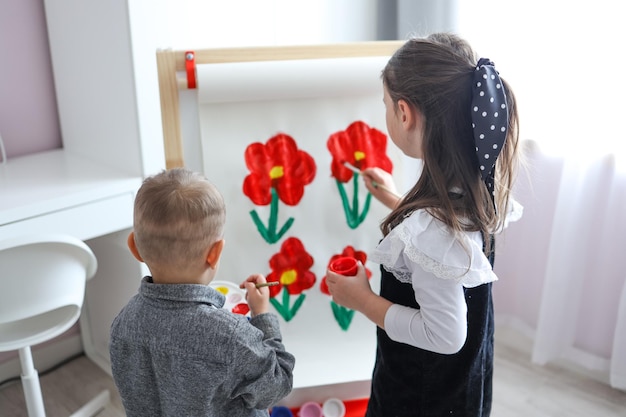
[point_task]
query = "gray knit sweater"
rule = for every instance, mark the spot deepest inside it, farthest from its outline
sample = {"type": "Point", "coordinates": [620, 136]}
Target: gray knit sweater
{"type": "Point", "coordinates": [176, 353]}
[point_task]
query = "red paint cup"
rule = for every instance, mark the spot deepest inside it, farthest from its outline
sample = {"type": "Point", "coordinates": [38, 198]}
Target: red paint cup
{"type": "Point", "coordinates": [346, 265]}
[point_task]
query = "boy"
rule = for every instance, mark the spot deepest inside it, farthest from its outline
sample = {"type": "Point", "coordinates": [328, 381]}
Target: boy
{"type": "Point", "coordinates": [174, 350]}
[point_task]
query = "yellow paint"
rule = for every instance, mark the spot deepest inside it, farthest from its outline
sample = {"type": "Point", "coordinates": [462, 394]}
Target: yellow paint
{"type": "Point", "coordinates": [277, 172]}
{"type": "Point", "coordinates": [288, 277]}
{"type": "Point", "coordinates": [223, 290]}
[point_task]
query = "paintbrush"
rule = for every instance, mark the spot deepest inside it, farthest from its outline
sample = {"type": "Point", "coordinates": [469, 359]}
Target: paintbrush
{"type": "Point", "coordinates": [267, 284]}
{"type": "Point", "coordinates": [374, 183]}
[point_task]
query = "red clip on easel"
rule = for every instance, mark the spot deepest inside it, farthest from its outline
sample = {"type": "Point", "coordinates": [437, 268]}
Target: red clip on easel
{"type": "Point", "coordinates": [190, 67]}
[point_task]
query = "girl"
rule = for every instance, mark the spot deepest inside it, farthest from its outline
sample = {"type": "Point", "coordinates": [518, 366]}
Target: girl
{"type": "Point", "coordinates": [434, 312]}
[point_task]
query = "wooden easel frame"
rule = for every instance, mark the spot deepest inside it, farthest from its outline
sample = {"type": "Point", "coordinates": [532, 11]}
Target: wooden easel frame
{"type": "Point", "coordinates": [171, 62]}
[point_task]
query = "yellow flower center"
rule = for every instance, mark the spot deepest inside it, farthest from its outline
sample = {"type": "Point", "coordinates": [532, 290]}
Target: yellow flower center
{"type": "Point", "coordinates": [288, 277]}
{"type": "Point", "coordinates": [277, 172]}
{"type": "Point", "coordinates": [358, 155]}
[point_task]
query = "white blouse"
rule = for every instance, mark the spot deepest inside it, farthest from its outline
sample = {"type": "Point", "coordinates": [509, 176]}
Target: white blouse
{"type": "Point", "coordinates": [424, 252]}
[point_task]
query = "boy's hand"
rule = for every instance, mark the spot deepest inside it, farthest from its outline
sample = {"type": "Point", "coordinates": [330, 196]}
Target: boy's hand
{"type": "Point", "coordinates": [258, 298]}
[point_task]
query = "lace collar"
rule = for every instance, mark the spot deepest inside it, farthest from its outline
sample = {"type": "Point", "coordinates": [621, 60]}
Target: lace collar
{"type": "Point", "coordinates": [421, 240]}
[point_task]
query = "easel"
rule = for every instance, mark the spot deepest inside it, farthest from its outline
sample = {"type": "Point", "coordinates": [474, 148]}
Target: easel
{"type": "Point", "coordinates": [172, 62]}
{"type": "Point", "coordinates": [177, 73]}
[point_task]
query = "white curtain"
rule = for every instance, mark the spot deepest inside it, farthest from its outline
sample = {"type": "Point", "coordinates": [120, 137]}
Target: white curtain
{"type": "Point", "coordinates": [561, 268]}
{"type": "Point", "coordinates": [562, 275]}
{"type": "Point", "coordinates": [581, 311]}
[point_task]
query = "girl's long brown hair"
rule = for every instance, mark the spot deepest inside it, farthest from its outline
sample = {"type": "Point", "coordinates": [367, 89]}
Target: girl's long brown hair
{"type": "Point", "coordinates": [434, 75]}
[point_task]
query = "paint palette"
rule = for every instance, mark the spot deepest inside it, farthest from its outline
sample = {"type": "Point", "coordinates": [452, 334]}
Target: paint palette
{"type": "Point", "coordinates": [235, 297]}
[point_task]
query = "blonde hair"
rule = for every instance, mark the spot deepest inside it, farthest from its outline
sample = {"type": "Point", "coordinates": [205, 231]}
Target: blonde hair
{"type": "Point", "coordinates": [178, 215]}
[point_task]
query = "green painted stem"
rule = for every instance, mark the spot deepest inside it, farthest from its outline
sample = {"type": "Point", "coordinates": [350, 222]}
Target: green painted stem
{"type": "Point", "coordinates": [269, 233]}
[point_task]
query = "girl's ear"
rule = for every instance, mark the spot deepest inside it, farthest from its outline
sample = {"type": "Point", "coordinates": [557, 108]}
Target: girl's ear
{"type": "Point", "coordinates": [133, 247]}
{"type": "Point", "coordinates": [406, 114]}
{"type": "Point", "coordinates": [410, 117]}
{"type": "Point", "coordinates": [213, 257]}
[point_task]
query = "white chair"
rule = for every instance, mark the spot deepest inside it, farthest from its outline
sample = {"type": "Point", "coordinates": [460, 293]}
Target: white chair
{"type": "Point", "coordinates": [42, 288]}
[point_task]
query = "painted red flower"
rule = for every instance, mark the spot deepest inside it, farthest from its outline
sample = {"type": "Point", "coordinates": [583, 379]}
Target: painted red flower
{"type": "Point", "coordinates": [347, 251]}
{"type": "Point", "coordinates": [277, 164]}
{"type": "Point", "coordinates": [291, 268]}
{"type": "Point", "coordinates": [361, 146]}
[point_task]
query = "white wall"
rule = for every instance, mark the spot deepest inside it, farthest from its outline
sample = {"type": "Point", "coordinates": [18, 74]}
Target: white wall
{"type": "Point", "coordinates": [193, 24]}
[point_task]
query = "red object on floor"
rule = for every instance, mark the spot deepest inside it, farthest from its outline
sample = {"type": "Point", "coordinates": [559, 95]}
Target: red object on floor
{"type": "Point", "coordinates": [354, 408]}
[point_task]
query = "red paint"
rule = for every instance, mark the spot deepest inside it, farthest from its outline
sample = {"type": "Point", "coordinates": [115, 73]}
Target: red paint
{"type": "Point", "coordinates": [360, 145]}
{"type": "Point", "coordinates": [277, 164]}
{"type": "Point", "coordinates": [241, 308]}
{"type": "Point", "coordinates": [292, 260]}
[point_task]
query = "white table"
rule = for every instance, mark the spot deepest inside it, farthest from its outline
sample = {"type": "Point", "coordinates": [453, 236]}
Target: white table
{"type": "Point", "coordinates": [61, 192]}
{"type": "Point", "coordinates": [57, 192]}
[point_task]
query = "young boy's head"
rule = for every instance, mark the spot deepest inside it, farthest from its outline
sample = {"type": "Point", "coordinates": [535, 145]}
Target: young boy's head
{"type": "Point", "coordinates": [178, 226]}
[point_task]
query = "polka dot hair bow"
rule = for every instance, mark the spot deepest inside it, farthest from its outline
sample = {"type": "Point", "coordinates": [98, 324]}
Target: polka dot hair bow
{"type": "Point", "coordinates": [490, 119]}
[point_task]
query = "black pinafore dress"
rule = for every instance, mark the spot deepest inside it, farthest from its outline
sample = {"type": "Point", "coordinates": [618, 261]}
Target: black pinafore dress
{"type": "Point", "coordinates": [412, 382]}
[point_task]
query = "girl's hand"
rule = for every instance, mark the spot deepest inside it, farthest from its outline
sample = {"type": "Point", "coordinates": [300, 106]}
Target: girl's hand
{"type": "Point", "coordinates": [258, 298]}
{"type": "Point", "coordinates": [381, 185]}
{"type": "Point", "coordinates": [355, 293]}
{"type": "Point", "coordinates": [349, 291]}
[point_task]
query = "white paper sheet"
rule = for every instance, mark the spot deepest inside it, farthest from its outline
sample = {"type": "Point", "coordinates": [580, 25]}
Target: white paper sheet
{"type": "Point", "coordinates": [325, 353]}
{"type": "Point", "coordinates": [287, 80]}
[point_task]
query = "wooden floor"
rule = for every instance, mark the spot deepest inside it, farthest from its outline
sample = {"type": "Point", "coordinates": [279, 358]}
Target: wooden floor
{"type": "Point", "coordinates": [521, 389]}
